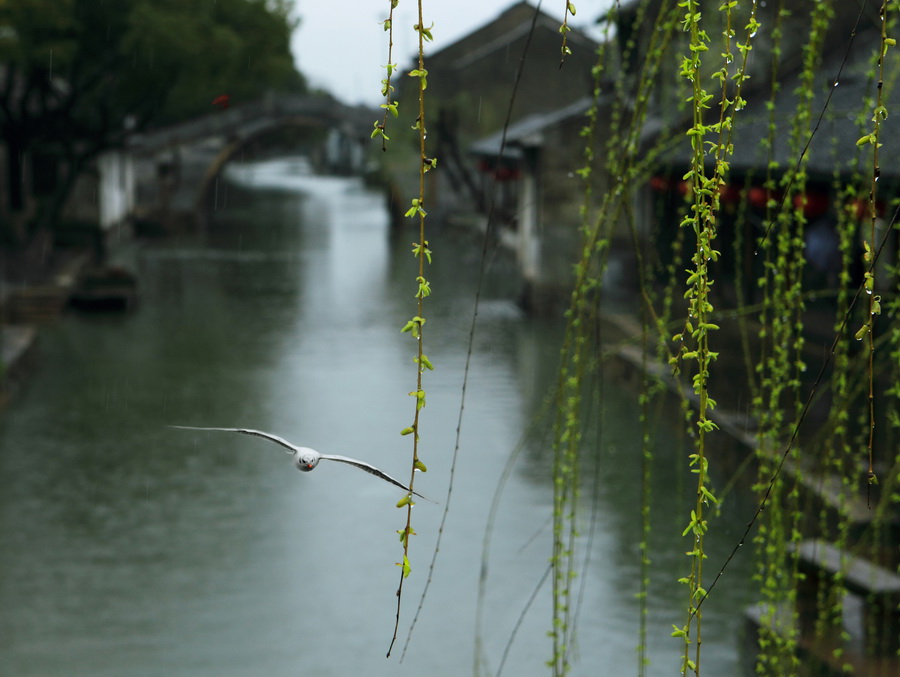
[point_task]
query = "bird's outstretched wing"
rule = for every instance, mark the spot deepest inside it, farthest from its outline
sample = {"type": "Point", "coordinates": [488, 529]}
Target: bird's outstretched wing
{"type": "Point", "coordinates": [244, 431]}
{"type": "Point", "coordinates": [371, 469]}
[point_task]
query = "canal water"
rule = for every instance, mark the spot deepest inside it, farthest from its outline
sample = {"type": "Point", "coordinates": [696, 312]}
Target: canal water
{"type": "Point", "coordinates": [131, 548]}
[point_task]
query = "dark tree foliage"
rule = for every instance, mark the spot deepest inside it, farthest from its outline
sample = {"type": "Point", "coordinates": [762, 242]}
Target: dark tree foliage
{"type": "Point", "coordinates": [78, 76]}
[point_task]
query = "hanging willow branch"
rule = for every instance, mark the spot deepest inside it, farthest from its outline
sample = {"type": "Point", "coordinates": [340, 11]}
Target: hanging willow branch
{"type": "Point", "coordinates": [564, 29]}
{"type": "Point", "coordinates": [387, 91]}
{"type": "Point", "coordinates": [702, 221]}
{"type": "Point", "coordinates": [868, 329]}
{"type": "Point", "coordinates": [415, 326]}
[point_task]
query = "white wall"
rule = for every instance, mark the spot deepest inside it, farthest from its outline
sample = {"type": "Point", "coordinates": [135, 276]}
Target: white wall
{"type": "Point", "coordinates": [117, 188]}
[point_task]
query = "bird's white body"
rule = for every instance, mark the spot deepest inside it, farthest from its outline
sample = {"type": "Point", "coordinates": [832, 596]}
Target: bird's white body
{"type": "Point", "coordinates": [305, 458]}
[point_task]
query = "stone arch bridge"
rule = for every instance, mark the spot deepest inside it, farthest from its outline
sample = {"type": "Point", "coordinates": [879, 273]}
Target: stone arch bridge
{"type": "Point", "coordinates": [176, 168]}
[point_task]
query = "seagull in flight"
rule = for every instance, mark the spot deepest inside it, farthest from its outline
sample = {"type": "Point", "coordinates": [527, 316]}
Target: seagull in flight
{"type": "Point", "coordinates": [306, 459]}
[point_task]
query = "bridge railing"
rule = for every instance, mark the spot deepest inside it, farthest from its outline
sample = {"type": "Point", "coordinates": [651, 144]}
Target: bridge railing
{"type": "Point", "coordinates": [236, 117]}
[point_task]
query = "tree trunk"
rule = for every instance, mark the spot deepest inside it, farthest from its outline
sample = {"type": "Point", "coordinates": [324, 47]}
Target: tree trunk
{"type": "Point", "coordinates": [14, 226]}
{"type": "Point", "coordinates": [39, 241]}
{"type": "Point", "coordinates": [15, 149]}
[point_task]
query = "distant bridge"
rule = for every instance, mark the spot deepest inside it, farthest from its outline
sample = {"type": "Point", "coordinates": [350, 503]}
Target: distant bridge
{"type": "Point", "coordinates": [176, 167]}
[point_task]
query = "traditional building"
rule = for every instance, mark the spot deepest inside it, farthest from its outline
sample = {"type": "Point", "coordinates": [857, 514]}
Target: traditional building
{"type": "Point", "coordinates": [540, 197]}
{"type": "Point", "coordinates": [472, 81]}
{"type": "Point", "coordinates": [508, 70]}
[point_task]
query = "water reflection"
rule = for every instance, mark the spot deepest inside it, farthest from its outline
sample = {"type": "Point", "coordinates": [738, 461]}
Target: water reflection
{"type": "Point", "coordinates": [130, 548]}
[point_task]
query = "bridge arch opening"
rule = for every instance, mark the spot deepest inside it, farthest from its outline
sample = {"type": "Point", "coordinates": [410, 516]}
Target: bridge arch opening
{"type": "Point", "coordinates": [329, 148]}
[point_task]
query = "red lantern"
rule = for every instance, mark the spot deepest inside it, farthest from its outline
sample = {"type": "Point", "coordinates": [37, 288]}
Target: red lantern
{"type": "Point", "coordinates": [729, 194]}
{"type": "Point", "coordinates": [813, 204]}
{"type": "Point", "coordinates": [758, 197]}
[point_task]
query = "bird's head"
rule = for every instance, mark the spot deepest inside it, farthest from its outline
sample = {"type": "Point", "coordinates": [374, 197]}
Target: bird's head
{"type": "Point", "coordinates": [306, 459]}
